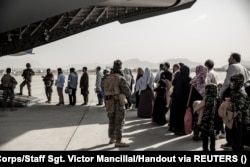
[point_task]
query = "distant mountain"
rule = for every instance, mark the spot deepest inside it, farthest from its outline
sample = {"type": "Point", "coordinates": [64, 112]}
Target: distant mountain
{"type": "Point", "coordinates": [20, 61]}
{"type": "Point", "coordinates": [90, 66]}
{"type": "Point", "coordinates": [187, 62]}
{"type": "Point", "coordinates": [134, 63]}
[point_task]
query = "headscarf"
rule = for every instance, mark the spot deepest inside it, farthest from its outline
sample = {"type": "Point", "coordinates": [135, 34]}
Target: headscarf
{"type": "Point", "coordinates": [147, 80]}
{"type": "Point", "coordinates": [181, 85]}
{"type": "Point", "coordinates": [184, 71]}
{"type": "Point", "coordinates": [200, 80]}
{"type": "Point", "coordinates": [127, 75]}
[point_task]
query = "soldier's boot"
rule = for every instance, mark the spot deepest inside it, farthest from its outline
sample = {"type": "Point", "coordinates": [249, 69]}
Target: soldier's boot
{"type": "Point", "coordinates": [112, 141]}
{"type": "Point", "coordinates": [29, 93]}
{"type": "Point", "coordinates": [121, 144]}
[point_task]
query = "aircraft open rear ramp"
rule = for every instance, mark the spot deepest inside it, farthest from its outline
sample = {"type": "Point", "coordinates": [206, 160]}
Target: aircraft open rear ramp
{"type": "Point", "coordinates": [20, 100]}
{"type": "Point", "coordinates": [26, 24]}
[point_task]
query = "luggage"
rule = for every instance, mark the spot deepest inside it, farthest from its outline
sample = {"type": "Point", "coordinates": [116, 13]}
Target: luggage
{"type": "Point", "coordinates": [188, 121]}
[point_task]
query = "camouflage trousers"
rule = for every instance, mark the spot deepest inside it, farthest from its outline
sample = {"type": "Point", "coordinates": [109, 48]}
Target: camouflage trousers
{"type": "Point", "coordinates": [28, 86]}
{"type": "Point", "coordinates": [48, 92]}
{"type": "Point", "coordinates": [8, 93]}
{"type": "Point", "coordinates": [116, 122]}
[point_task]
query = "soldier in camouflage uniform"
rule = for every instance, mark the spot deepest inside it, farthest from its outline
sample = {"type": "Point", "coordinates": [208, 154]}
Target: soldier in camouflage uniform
{"type": "Point", "coordinates": [8, 83]}
{"type": "Point", "coordinates": [116, 90]}
{"type": "Point", "coordinates": [48, 80]}
{"type": "Point", "coordinates": [27, 76]}
{"type": "Point", "coordinates": [238, 107]}
{"type": "Point", "coordinates": [208, 117]}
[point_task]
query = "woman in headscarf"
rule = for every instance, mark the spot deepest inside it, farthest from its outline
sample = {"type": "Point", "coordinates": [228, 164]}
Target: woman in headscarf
{"type": "Point", "coordinates": [198, 84]}
{"type": "Point", "coordinates": [128, 79]}
{"type": "Point", "coordinates": [160, 103]}
{"type": "Point", "coordinates": [179, 100]}
{"type": "Point", "coordinates": [200, 80]}
{"type": "Point", "coordinates": [145, 86]}
{"type": "Point", "coordinates": [140, 72]}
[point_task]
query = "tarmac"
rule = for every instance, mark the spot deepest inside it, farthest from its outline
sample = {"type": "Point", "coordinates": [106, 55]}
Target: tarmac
{"type": "Point", "coordinates": [84, 128]}
{"type": "Point", "coordinates": [47, 127]}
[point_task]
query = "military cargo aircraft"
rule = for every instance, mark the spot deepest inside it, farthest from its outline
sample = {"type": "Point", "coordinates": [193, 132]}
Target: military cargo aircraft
{"type": "Point", "coordinates": [26, 24]}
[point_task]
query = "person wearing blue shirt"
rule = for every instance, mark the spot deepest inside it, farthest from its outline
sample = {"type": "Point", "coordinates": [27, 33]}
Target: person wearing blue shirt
{"type": "Point", "coordinates": [60, 84]}
{"type": "Point", "coordinates": [72, 84]}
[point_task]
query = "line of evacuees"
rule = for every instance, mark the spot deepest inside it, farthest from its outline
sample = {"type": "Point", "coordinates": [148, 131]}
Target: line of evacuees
{"type": "Point", "coordinates": [219, 110]}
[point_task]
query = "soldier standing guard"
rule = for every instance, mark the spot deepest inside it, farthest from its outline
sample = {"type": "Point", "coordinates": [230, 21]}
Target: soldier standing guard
{"type": "Point", "coordinates": [27, 75]}
{"type": "Point", "coordinates": [48, 80]}
{"type": "Point", "coordinates": [116, 90]}
{"type": "Point", "coordinates": [8, 83]}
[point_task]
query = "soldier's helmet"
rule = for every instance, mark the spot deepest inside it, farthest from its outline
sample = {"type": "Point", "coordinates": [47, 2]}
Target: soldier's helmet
{"type": "Point", "coordinates": [105, 71]}
{"type": "Point", "coordinates": [117, 64]}
{"type": "Point", "coordinates": [28, 65]}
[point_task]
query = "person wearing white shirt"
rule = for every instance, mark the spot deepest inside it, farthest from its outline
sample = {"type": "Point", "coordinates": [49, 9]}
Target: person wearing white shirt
{"type": "Point", "coordinates": [212, 75]}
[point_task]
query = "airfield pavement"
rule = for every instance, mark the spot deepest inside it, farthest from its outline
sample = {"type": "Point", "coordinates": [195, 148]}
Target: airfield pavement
{"type": "Point", "coordinates": [47, 127]}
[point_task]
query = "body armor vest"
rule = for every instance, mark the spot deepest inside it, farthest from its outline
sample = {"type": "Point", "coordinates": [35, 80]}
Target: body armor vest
{"type": "Point", "coordinates": [8, 81]}
{"type": "Point", "coordinates": [112, 85]}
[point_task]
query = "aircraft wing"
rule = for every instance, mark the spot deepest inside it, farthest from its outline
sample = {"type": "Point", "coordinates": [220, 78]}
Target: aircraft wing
{"type": "Point", "coordinates": [26, 24]}
{"type": "Point", "coordinates": [29, 51]}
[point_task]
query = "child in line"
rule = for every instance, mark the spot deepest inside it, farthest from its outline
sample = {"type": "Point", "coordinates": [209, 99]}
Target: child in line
{"type": "Point", "coordinates": [206, 121]}
{"type": "Point", "coordinates": [219, 126]}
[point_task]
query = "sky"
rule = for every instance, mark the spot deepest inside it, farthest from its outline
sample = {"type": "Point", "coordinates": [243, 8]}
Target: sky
{"type": "Point", "coordinates": [210, 29]}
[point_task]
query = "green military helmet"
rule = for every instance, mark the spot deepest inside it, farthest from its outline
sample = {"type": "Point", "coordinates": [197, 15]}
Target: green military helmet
{"type": "Point", "coordinates": [117, 64]}
{"type": "Point", "coordinates": [28, 65]}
